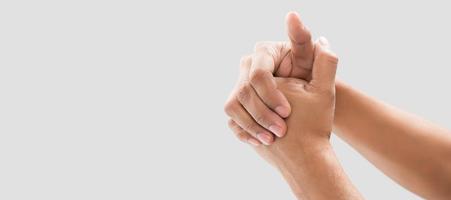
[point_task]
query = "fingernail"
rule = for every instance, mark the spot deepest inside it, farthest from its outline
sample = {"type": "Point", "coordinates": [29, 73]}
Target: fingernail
{"type": "Point", "coordinates": [253, 142]}
{"type": "Point", "coordinates": [323, 41]}
{"type": "Point", "coordinates": [282, 111]}
{"type": "Point", "coordinates": [277, 130]}
{"type": "Point", "coordinates": [264, 138]}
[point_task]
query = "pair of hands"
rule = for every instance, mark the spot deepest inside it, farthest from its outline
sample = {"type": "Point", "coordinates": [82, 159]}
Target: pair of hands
{"type": "Point", "coordinates": [301, 102]}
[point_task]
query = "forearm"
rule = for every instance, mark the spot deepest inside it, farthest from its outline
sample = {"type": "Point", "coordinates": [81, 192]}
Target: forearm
{"type": "Point", "coordinates": [317, 174]}
{"type": "Point", "coordinates": [415, 153]}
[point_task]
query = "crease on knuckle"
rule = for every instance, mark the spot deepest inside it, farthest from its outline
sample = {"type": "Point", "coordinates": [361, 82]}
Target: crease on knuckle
{"type": "Point", "coordinates": [271, 49]}
{"type": "Point", "coordinates": [308, 34]}
{"type": "Point", "coordinates": [250, 127]}
{"type": "Point", "coordinates": [241, 136]}
{"type": "Point", "coordinates": [257, 76]}
{"type": "Point", "coordinates": [304, 38]}
{"type": "Point", "coordinates": [262, 45]}
{"type": "Point", "coordinates": [327, 93]}
{"type": "Point", "coordinates": [245, 61]}
{"type": "Point", "coordinates": [231, 123]}
{"type": "Point", "coordinates": [328, 57]}
{"type": "Point", "coordinates": [261, 119]}
{"type": "Point", "coordinates": [230, 107]}
{"type": "Point", "coordinates": [244, 92]}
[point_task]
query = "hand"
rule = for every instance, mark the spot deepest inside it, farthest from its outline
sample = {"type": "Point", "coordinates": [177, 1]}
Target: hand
{"type": "Point", "coordinates": [313, 104]}
{"type": "Point", "coordinates": [256, 104]}
{"type": "Point", "coordinates": [304, 156]}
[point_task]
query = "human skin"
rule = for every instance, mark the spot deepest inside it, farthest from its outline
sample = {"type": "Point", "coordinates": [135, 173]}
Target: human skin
{"type": "Point", "coordinates": [304, 156]}
{"type": "Point", "coordinates": [415, 153]}
{"type": "Point", "coordinates": [265, 119]}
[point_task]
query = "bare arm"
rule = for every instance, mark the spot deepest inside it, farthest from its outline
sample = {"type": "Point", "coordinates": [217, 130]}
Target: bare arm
{"type": "Point", "coordinates": [317, 174]}
{"type": "Point", "coordinates": [412, 151]}
{"type": "Point", "coordinates": [304, 156]}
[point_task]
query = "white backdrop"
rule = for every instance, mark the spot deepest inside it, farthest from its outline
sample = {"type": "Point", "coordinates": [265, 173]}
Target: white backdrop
{"type": "Point", "coordinates": [124, 99]}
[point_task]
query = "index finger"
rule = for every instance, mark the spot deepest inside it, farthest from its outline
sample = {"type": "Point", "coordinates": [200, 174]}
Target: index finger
{"type": "Point", "coordinates": [262, 80]}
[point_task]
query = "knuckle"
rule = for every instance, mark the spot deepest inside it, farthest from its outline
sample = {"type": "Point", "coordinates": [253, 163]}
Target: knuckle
{"type": "Point", "coordinates": [281, 82]}
{"type": "Point", "coordinates": [267, 48]}
{"type": "Point", "coordinates": [230, 107]}
{"type": "Point", "coordinates": [245, 61]}
{"type": "Point", "coordinates": [244, 92]}
{"type": "Point", "coordinates": [257, 75]}
{"type": "Point", "coordinates": [242, 136]}
{"type": "Point", "coordinates": [261, 118]}
{"type": "Point", "coordinates": [268, 52]}
{"type": "Point", "coordinates": [250, 127]}
{"type": "Point", "coordinates": [262, 45]}
{"type": "Point", "coordinates": [327, 94]}
{"type": "Point", "coordinates": [231, 123]}
{"type": "Point", "coordinates": [328, 57]}
{"type": "Point", "coordinates": [308, 35]}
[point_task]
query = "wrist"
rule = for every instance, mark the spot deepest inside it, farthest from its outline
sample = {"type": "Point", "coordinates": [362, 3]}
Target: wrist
{"type": "Point", "coordinates": [308, 149]}
{"type": "Point", "coordinates": [341, 98]}
{"type": "Point", "coordinates": [311, 160]}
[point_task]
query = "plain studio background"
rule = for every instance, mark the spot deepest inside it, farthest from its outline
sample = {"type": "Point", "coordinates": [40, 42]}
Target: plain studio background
{"type": "Point", "coordinates": [124, 99]}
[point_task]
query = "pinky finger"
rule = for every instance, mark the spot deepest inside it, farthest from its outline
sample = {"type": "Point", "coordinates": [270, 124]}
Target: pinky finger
{"type": "Point", "coordinates": [243, 135]}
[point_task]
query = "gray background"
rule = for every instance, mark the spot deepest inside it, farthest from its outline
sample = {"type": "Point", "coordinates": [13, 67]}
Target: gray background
{"type": "Point", "coordinates": [124, 99]}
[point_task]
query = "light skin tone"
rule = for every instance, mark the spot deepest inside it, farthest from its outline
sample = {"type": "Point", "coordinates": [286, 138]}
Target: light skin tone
{"type": "Point", "coordinates": [305, 157]}
{"type": "Point", "coordinates": [264, 121]}
{"type": "Point", "coordinates": [415, 153]}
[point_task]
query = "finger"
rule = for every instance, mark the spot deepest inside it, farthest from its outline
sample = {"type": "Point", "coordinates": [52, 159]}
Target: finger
{"type": "Point", "coordinates": [260, 112]}
{"type": "Point", "coordinates": [324, 66]}
{"type": "Point", "coordinates": [301, 46]}
{"type": "Point", "coordinates": [242, 135]}
{"type": "Point", "coordinates": [262, 80]}
{"type": "Point", "coordinates": [265, 95]}
{"type": "Point", "coordinates": [236, 111]}
{"type": "Point", "coordinates": [238, 114]}
{"type": "Point", "coordinates": [245, 63]}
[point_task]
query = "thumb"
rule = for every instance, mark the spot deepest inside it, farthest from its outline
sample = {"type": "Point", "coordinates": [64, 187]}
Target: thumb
{"type": "Point", "coordinates": [301, 45]}
{"type": "Point", "coordinates": [324, 65]}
